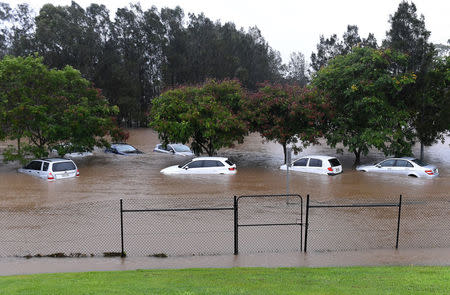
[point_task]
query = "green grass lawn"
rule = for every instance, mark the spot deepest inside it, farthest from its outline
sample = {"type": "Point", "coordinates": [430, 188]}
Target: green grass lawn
{"type": "Point", "coordinates": [342, 280]}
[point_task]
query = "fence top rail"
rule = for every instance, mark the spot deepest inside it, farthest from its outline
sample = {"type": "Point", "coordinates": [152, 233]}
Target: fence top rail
{"type": "Point", "coordinates": [269, 196]}
{"type": "Point", "coordinates": [355, 205]}
{"type": "Point", "coordinates": [177, 209]}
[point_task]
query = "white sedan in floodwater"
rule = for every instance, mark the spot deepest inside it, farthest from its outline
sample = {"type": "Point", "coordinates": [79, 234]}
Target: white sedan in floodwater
{"type": "Point", "coordinates": [402, 166]}
{"type": "Point", "coordinates": [203, 165]}
{"type": "Point", "coordinates": [316, 164]}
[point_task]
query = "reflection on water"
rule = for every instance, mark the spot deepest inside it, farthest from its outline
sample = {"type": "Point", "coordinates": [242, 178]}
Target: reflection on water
{"type": "Point", "coordinates": [108, 176]}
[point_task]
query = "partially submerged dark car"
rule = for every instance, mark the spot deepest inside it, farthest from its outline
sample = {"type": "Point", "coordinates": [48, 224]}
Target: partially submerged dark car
{"type": "Point", "coordinates": [122, 149]}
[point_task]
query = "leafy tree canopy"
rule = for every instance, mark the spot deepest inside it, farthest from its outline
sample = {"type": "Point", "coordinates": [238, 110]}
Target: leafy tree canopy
{"type": "Point", "coordinates": [409, 35]}
{"type": "Point", "coordinates": [288, 114]}
{"type": "Point", "coordinates": [369, 113]}
{"type": "Point", "coordinates": [206, 115]}
{"type": "Point", "coordinates": [328, 48]}
{"type": "Point", "coordinates": [51, 109]}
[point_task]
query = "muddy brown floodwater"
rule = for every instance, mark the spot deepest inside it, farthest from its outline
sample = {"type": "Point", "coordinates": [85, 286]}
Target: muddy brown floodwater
{"type": "Point", "coordinates": [107, 177]}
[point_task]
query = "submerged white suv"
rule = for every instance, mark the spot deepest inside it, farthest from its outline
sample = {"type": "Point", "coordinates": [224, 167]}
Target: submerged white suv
{"type": "Point", "coordinates": [316, 164]}
{"type": "Point", "coordinates": [51, 168]}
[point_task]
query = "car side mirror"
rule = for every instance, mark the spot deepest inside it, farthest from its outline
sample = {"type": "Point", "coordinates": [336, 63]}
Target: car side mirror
{"type": "Point", "coordinates": [186, 168]}
{"type": "Point", "coordinates": [378, 166]}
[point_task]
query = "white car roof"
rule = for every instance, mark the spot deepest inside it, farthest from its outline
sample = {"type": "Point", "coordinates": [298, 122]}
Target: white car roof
{"type": "Point", "coordinates": [317, 157]}
{"type": "Point", "coordinates": [54, 160]}
{"type": "Point", "coordinates": [401, 158]}
{"type": "Point", "coordinates": [172, 143]}
{"type": "Point", "coordinates": [210, 158]}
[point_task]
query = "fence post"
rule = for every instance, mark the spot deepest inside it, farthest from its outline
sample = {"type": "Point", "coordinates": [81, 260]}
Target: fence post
{"type": "Point", "coordinates": [306, 222]}
{"type": "Point", "coordinates": [236, 228]}
{"type": "Point", "coordinates": [398, 221]}
{"type": "Point", "coordinates": [122, 253]}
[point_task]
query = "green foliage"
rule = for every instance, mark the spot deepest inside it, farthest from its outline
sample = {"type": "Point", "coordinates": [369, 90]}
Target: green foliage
{"type": "Point", "coordinates": [138, 53]}
{"type": "Point", "coordinates": [365, 95]}
{"type": "Point", "coordinates": [206, 116]}
{"type": "Point", "coordinates": [424, 99]}
{"type": "Point", "coordinates": [409, 35]}
{"type": "Point", "coordinates": [329, 48]}
{"type": "Point", "coordinates": [50, 108]}
{"type": "Point", "coordinates": [288, 114]}
{"type": "Point", "coordinates": [433, 118]}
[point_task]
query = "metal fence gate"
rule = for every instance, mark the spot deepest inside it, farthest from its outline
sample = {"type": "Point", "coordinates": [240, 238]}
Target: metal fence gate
{"type": "Point", "coordinates": [268, 223]}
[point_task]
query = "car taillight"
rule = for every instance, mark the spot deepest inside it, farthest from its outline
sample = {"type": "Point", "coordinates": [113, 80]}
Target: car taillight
{"type": "Point", "coordinates": [78, 172]}
{"type": "Point", "coordinates": [330, 169]}
{"type": "Point", "coordinates": [50, 176]}
{"type": "Point", "coordinates": [429, 172]}
{"type": "Point", "coordinates": [232, 168]}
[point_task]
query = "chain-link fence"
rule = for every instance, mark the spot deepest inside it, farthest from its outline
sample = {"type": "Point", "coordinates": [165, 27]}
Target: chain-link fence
{"type": "Point", "coordinates": [181, 226]}
{"type": "Point", "coordinates": [178, 226]}
{"type": "Point", "coordinates": [344, 225]}
{"type": "Point", "coordinates": [84, 229]}
{"type": "Point", "coordinates": [425, 223]}
{"type": "Point", "coordinates": [270, 223]}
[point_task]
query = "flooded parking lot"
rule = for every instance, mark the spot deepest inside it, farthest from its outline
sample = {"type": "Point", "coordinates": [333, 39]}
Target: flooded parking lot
{"type": "Point", "coordinates": [109, 176]}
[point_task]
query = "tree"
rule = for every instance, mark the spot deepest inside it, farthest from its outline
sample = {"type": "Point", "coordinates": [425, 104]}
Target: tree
{"type": "Point", "coordinates": [365, 96]}
{"type": "Point", "coordinates": [51, 108]}
{"type": "Point", "coordinates": [296, 70]}
{"type": "Point", "coordinates": [206, 115]}
{"type": "Point", "coordinates": [436, 103]}
{"type": "Point", "coordinates": [409, 35]}
{"type": "Point", "coordinates": [331, 47]}
{"type": "Point", "coordinates": [288, 114]}
{"type": "Point", "coordinates": [17, 30]}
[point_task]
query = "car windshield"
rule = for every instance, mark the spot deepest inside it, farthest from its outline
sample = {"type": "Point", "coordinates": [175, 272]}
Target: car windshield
{"type": "Point", "coordinates": [185, 163]}
{"type": "Point", "coordinates": [420, 163]}
{"type": "Point", "coordinates": [63, 166]}
{"type": "Point", "coordinates": [181, 148]}
{"type": "Point", "coordinates": [125, 148]}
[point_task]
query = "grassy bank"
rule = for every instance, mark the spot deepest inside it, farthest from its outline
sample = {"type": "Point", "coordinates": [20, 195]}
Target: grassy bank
{"type": "Point", "coordinates": [345, 280]}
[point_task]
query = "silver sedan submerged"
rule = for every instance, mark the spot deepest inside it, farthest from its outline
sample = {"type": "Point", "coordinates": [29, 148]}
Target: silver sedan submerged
{"type": "Point", "coordinates": [402, 166]}
{"type": "Point", "coordinates": [174, 149]}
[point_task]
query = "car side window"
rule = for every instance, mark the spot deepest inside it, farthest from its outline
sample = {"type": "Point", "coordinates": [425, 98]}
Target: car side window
{"type": "Point", "coordinates": [45, 166]}
{"type": "Point", "coordinates": [34, 165]}
{"type": "Point", "coordinates": [195, 164]}
{"type": "Point", "coordinates": [301, 162]}
{"type": "Point", "coordinates": [315, 163]}
{"type": "Point", "coordinates": [212, 163]}
{"type": "Point", "coordinates": [388, 163]}
{"type": "Point", "coordinates": [403, 163]}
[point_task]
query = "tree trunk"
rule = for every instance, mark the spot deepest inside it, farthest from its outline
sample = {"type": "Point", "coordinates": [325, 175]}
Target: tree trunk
{"type": "Point", "coordinates": [421, 150]}
{"type": "Point", "coordinates": [285, 152]}
{"type": "Point", "coordinates": [357, 153]}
